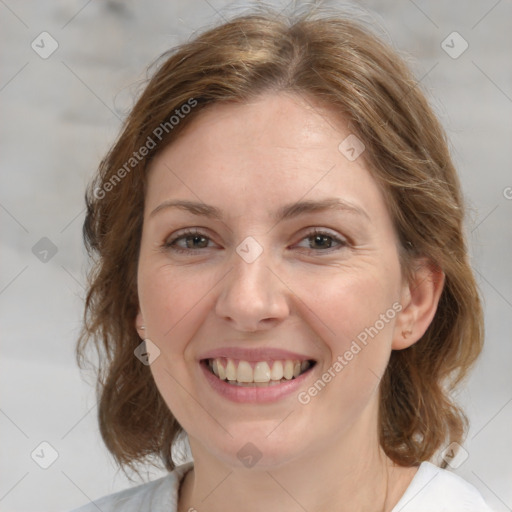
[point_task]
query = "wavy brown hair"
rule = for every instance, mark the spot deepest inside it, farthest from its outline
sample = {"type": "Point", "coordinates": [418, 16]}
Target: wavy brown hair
{"type": "Point", "coordinates": [342, 64]}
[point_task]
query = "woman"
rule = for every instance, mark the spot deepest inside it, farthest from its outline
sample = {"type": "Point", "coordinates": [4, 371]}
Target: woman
{"type": "Point", "coordinates": [282, 275]}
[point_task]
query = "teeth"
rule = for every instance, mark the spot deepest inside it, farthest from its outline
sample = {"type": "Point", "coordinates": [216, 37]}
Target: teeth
{"type": "Point", "coordinates": [277, 371]}
{"type": "Point", "coordinates": [261, 372]}
{"type": "Point", "coordinates": [288, 369]}
{"type": "Point", "coordinates": [242, 372]}
{"type": "Point", "coordinates": [230, 370]}
{"type": "Point", "coordinates": [221, 372]}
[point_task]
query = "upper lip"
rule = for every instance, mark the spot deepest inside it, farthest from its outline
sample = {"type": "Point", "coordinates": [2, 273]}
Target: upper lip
{"type": "Point", "coordinates": [256, 354]}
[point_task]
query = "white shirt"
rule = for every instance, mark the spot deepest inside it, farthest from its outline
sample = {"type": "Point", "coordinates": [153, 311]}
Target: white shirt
{"type": "Point", "coordinates": [432, 489]}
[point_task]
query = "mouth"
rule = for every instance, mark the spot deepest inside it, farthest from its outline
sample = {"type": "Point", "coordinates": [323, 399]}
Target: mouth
{"type": "Point", "coordinates": [238, 372]}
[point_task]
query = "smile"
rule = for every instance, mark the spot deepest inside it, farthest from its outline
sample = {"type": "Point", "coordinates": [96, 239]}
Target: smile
{"type": "Point", "coordinates": [239, 372]}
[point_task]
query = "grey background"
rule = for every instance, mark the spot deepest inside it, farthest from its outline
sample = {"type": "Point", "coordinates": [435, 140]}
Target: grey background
{"type": "Point", "coordinates": [60, 114]}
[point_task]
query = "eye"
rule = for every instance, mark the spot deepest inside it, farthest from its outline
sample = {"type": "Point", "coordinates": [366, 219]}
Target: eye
{"type": "Point", "coordinates": [187, 241]}
{"type": "Point", "coordinates": [193, 240]}
{"type": "Point", "coordinates": [322, 241]}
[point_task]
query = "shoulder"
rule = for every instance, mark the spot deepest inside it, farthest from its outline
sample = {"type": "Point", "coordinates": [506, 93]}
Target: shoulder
{"type": "Point", "coordinates": [156, 496]}
{"type": "Point", "coordinates": [438, 490]}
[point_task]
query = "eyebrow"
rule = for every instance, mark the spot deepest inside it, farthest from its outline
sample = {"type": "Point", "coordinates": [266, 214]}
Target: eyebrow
{"type": "Point", "coordinates": [286, 212]}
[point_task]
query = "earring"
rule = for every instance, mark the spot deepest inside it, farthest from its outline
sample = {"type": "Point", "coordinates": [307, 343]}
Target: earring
{"type": "Point", "coordinates": [142, 327]}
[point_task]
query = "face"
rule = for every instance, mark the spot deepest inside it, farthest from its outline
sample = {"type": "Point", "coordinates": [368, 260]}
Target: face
{"type": "Point", "coordinates": [284, 271]}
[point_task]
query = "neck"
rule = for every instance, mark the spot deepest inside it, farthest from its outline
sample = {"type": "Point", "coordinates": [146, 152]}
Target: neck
{"type": "Point", "coordinates": [351, 474]}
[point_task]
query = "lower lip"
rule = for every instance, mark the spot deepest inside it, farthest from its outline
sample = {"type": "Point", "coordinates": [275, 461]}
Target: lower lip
{"type": "Point", "coordinates": [247, 394]}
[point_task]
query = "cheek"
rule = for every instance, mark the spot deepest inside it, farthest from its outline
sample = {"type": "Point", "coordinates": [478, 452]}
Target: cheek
{"type": "Point", "coordinates": [172, 300]}
{"type": "Point", "coordinates": [164, 298]}
{"type": "Point", "coordinates": [348, 303]}
{"type": "Point", "coordinates": [353, 314]}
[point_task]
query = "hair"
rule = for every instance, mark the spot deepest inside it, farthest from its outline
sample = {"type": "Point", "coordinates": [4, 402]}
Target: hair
{"type": "Point", "coordinates": [341, 64]}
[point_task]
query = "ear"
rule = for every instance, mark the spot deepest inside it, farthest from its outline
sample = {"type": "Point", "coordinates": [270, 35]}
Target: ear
{"type": "Point", "coordinates": [419, 300]}
{"type": "Point", "coordinates": [139, 324]}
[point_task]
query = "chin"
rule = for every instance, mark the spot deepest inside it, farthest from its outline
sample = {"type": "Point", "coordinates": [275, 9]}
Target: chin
{"type": "Point", "coordinates": [251, 446]}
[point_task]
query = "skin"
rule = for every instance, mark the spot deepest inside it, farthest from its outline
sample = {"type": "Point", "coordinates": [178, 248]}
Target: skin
{"type": "Point", "coordinates": [309, 297]}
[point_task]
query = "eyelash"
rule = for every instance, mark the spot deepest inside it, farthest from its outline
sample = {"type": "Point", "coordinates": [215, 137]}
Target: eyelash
{"type": "Point", "coordinates": [194, 232]}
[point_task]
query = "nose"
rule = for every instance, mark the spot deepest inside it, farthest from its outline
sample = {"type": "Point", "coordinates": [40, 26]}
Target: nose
{"type": "Point", "coordinates": [253, 296]}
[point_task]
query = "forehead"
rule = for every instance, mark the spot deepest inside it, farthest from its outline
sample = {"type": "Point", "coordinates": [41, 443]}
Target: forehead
{"type": "Point", "coordinates": [284, 120]}
{"type": "Point", "coordinates": [274, 149]}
